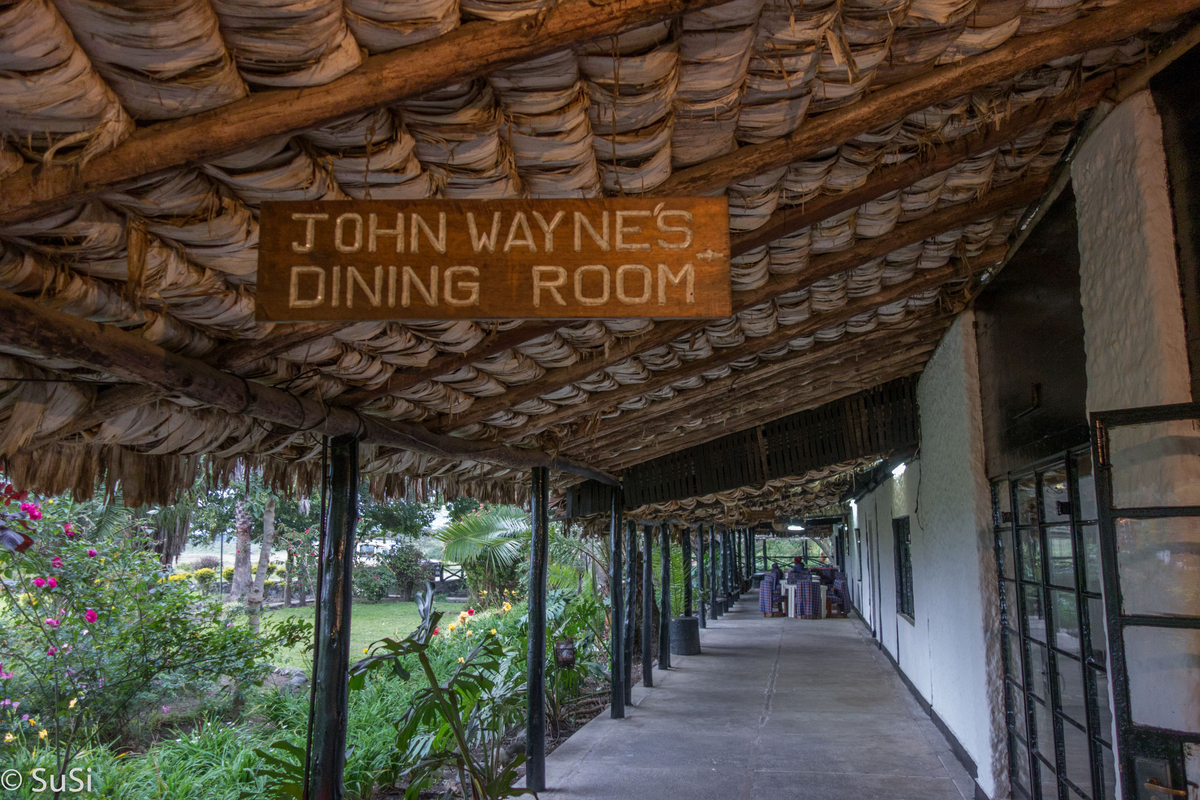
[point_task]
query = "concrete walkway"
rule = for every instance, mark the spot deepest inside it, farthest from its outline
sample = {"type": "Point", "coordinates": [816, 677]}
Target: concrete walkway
{"type": "Point", "coordinates": [772, 708]}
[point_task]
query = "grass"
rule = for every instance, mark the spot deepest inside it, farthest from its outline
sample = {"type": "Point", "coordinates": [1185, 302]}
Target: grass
{"type": "Point", "coordinates": [369, 622]}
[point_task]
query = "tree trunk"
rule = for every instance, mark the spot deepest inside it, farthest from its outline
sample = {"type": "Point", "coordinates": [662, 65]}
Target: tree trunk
{"type": "Point", "coordinates": [255, 600]}
{"type": "Point", "coordinates": [240, 582]}
{"type": "Point", "coordinates": [288, 576]}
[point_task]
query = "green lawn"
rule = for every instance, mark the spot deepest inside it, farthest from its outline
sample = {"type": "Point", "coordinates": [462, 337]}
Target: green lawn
{"type": "Point", "coordinates": [368, 623]}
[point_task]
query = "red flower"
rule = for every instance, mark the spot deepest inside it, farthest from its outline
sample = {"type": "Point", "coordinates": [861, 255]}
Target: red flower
{"type": "Point", "coordinates": [436, 631]}
{"type": "Point", "coordinates": [470, 612]}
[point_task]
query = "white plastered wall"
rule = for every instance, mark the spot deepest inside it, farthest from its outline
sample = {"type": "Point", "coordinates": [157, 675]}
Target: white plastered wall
{"type": "Point", "coordinates": [1136, 356]}
{"type": "Point", "coordinates": [950, 649]}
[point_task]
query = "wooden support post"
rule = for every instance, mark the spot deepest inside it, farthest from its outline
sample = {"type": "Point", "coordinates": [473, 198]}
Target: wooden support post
{"type": "Point", "coordinates": [766, 564]}
{"type": "Point", "coordinates": [616, 588]}
{"type": "Point", "coordinates": [700, 572]}
{"type": "Point", "coordinates": [688, 573]}
{"type": "Point", "coordinates": [664, 600]}
{"type": "Point", "coordinates": [535, 723]}
{"type": "Point", "coordinates": [751, 558]}
{"type": "Point", "coordinates": [630, 606]}
{"type": "Point", "coordinates": [332, 679]}
{"type": "Point", "coordinates": [714, 584]}
{"type": "Point", "coordinates": [647, 605]}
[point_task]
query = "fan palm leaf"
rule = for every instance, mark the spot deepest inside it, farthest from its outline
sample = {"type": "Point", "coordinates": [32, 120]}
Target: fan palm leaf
{"type": "Point", "coordinates": [496, 537]}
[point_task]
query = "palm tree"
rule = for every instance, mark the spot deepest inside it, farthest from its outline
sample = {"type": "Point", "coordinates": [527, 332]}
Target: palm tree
{"type": "Point", "coordinates": [490, 543]}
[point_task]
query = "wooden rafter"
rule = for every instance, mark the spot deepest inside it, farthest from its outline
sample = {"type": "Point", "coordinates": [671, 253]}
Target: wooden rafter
{"type": "Point", "coordinates": [32, 329]}
{"type": "Point", "coordinates": [478, 48]}
{"type": "Point", "coordinates": [953, 80]}
{"type": "Point", "coordinates": [935, 278]}
{"type": "Point", "coordinates": [788, 220]}
{"type": "Point", "coordinates": [469, 51]}
{"type": "Point", "coordinates": [755, 387]}
{"type": "Point", "coordinates": [1015, 194]}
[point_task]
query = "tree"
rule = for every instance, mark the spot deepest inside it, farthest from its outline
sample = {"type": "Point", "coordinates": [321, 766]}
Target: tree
{"type": "Point", "coordinates": [241, 561]}
{"type": "Point", "coordinates": [255, 600]}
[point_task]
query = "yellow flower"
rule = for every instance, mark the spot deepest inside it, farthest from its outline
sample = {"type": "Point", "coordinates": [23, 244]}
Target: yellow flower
{"type": "Point", "coordinates": [365, 649]}
{"type": "Point", "coordinates": [8, 737]}
{"type": "Point", "coordinates": [470, 632]}
{"type": "Point", "coordinates": [493, 631]}
{"type": "Point", "coordinates": [74, 701]}
{"type": "Point", "coordinates": [508, 606]}
{"type": "Point", "coordinates": [33, 723]}
{"type": "Point", "coordinates": [43, 733]}
{"type": "Point", "coordinates": [462, 660]}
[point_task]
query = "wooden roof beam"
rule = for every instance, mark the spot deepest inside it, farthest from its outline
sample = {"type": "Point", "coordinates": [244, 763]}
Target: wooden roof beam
{"type": "Point", "coordinates": [469, 51]}
{"type": "Point", "coordinates": [755, 385]}
{"type": "Point", "coordinates": [953, 80]}
{"type": "Point", "coordinates": [664, 333]}
{"type": "Point", "coordinates": [478, 48]}
{"type": "Point", "coordinates": [37, 331]}
{"type": "Point", "coordinates": [898, 368]}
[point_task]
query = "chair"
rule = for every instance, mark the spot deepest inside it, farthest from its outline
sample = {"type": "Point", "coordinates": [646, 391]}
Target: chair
{"type": "Point", "coordinates": [808, 600]}
{"type": "Point", "coordinates": [769, 596]}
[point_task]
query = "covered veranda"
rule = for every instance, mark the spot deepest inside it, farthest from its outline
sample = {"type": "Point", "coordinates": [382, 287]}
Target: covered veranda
{"type": "Point", "coordinates": [771, 708]}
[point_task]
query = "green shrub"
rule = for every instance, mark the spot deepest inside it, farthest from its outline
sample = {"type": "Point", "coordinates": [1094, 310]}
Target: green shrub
{"type": "Point", "coordinates": [205, 577]}
{"type": "Point", "coordinates": [227, 574]}
{"type": "Point", "coordinates": [372, 583]}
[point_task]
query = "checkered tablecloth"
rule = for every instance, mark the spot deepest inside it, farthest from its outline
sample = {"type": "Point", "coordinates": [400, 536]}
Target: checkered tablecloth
{"type": "Point", "coordinates": [768, 593]}
{"type": "Point", "coordinates": [808, 600]}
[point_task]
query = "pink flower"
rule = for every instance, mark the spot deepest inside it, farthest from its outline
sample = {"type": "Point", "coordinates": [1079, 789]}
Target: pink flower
{"type": "Point", "coordinates": [52, 582]}
{"type": "Point", "coordinates": [90, 615]}
{"type": "Point", "coordinates": [52, 623]}
{"type": "Point", "coordinates": [91, 553]}
{"type": "Point", "coordinates": [166, 709]}
{"type": "Point", "coordinates": [32, 510]}
{"type": "Point", "coordinates": [52, 651]}
{"type": "Point", "coordinates": [67, 529]}
{"type": "Point", "coordinates": [56, 562]}
{"type": "Point", "coordinates": [39, 582]}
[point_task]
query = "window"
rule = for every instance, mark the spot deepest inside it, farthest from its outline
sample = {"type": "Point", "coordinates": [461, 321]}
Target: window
{"type": "Point", "coordinates": [1054, 649]}
{"type": "Point", "coordinates": [904, 578]}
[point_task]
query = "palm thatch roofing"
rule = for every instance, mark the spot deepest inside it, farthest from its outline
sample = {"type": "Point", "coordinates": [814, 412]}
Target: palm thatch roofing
{"type": "Point", "coordinates": [877, 155]}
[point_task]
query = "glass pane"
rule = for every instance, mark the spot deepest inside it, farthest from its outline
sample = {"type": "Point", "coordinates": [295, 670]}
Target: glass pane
{"type": "Point", "coordinates": [1078, 757]}
{"type": "Point", "coordinates": [1026, 502]}
{"type": "Point", "coordinates": [1039, 670]}
{"type": "Point", "coordinates": [1062, 563]}
{"type": "Point", "coordinates": [1007, 554]}
{"type": "Point", "coordinates": [1048, 779]}
{"type": "Point", "coordinates": [1020, 763]}
{"type": "Point", "coordinates": [1066, 621]}
{"type": "Point", "coordinates": [1031, 554]}
{"type": "Point", "coordinates": [1018, 699]}
{"type": "Point", "coordinates": [1162, 664]}
{"type": "Point", "coordinates": [1091, 552]}
{"type": "Point", "coordinates": [1096, 629]}
{"type": "Point", "coordinates": [1109, 774]}
{"type": "Point", "coordinates": [1105, 732]}
{"type": "Point", "coordinates": [1054, 491]}
{"type": "Point", "coordinates": [1159, 560]}
{"type": "Point", "coordinates": [1070, 687]}
{"type": "Point", "coordinates": [1043, 730]}
{"type": "Point", "coordinates": [1014, 656]}
{"type": "Point", "coordinates": [1155, 465]}
{"type": "Point", "coordinates": [1035, 614]}
{"type": "Point", "coordinates": [1087, 487]}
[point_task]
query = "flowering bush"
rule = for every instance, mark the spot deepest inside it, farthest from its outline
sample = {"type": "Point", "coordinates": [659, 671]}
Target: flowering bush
{"type": "Point", "coordinates": [93, 634]}
{"type": "Point", "coordinates": [371, 583]}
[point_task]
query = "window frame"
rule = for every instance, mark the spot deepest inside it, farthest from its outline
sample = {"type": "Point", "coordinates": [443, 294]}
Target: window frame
{"type": "Point", "coordinates": [902, 547]}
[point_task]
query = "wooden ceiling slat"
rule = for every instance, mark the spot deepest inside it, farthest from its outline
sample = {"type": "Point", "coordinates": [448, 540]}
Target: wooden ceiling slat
{"type": "Point", "coordinates": [720, 358]}
{"type": "Point", "coordinates": [758, 397]}
{"type": "Point", "coordinates": [953, 80]}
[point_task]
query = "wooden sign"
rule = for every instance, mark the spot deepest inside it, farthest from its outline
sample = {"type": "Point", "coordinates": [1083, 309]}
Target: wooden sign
{"type": "Point", "coordinates": [494, 259]}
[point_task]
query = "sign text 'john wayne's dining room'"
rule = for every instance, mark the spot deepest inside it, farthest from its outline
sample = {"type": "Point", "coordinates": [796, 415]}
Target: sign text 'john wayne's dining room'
{"type": "Point", "coordinates": [494, 259]}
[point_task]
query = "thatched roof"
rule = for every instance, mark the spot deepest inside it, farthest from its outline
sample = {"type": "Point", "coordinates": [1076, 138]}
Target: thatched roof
{"type": "Point", "coordinates": [877, 155]}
